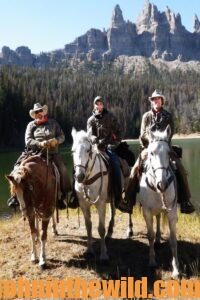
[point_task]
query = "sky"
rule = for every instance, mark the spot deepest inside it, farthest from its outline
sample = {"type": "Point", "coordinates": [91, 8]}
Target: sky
{"type": "Point", "coordinates": [46, 25]}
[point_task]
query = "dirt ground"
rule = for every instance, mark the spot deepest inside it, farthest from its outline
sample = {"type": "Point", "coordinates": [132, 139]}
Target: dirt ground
{"type": "Point", "coordinates": [128, 256]}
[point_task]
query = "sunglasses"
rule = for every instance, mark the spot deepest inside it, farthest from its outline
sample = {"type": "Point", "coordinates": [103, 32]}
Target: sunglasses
{"type": "Point", "coordinates": [38, 111]}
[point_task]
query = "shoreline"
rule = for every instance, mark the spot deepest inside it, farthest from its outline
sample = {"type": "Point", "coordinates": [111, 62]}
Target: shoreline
{"type": "Point", "coordinates": [176, 136]}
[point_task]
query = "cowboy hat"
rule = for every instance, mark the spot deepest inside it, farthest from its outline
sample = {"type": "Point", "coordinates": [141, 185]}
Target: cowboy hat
{"type": "Point", "coordinates": [98, 98]}
{"type": "Point", "coordinates": [157, 94]}
{"type": "Point", "coordinates": [37, 107]}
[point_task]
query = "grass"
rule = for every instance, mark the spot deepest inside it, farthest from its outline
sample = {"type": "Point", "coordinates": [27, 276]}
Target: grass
{"type": "Point", "coordinates": [128, 257]}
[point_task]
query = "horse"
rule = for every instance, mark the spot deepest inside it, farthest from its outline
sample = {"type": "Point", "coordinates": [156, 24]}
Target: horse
{"type": "Point", "coordinates": [158, 193]}
{"type": "Point", "coordinates": [91, 185]}
{"type": "Point", "coordinates": [35, 185]}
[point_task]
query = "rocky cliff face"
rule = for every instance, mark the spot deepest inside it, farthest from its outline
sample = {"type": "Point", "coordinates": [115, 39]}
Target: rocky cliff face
{"type": "Point", "coordinates": [156, 35]}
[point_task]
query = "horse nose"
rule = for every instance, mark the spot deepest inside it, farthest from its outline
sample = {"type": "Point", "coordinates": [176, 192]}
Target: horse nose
{"type": "Point", "coordinates": [80, 177]}
{"type": "Point", "coordinates": [161, 186]}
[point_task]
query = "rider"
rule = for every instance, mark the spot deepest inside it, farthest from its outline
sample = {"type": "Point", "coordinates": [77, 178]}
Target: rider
{"type": "Point", "coordinates": [41, 134]}
{"type": "Point", "coordinates": [158, 119]}
{"type": "Point", "coordinates": [105, 132]}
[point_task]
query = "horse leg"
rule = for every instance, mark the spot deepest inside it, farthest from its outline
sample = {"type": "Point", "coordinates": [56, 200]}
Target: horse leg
{"type": "Point", "coordinates": [173, 243]}
{"type": "Point", "coordinates": [102, 231]}
{"type": "Point", "coordinates": [151, 236]}
{"type": "Point", "coordinates": [54, 229]}
{"type": "Point", "coordinates": [158, 233]}
{"type": "Point", "coordinates": [88, 224]}
{"type": "Point", "coordinates": [42, 261]}
{"type": "Point", "coordinates": [34, 235]}
{"type": "Point", "coordinates": [112, 219]}
{"type": "Point", "coordinates": [130, 226]}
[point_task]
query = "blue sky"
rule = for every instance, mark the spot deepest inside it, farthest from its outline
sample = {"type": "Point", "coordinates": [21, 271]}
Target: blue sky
{"type": "Point", "coordinates": [45, 25]}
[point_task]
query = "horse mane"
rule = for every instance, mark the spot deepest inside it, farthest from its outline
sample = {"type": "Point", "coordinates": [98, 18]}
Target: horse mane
{"type": "Point", "coordinates": [81, 138]}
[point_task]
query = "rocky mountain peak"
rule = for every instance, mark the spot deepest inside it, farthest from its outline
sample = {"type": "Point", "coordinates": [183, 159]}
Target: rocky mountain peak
{"type": "Point", "coordinates": [157, 35]}
{"type": "Point", "coordinates": [196, 25]}
{"type": "Point", "coordinates": [148, 18]}
{"type": "Point", "coordinates": [175, 23]}
{"type": "Point", "coordinates": [117, 17]}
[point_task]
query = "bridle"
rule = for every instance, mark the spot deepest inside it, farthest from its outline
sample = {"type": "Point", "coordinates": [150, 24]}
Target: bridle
{"type": "Point", "coordinates": [169, 180]}
{"type": "Point", "coordinates": [90, 180]}
{"type": "Point", "coordinates": [87, 163]}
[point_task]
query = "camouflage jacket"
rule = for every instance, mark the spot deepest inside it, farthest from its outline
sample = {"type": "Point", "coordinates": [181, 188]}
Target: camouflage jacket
{"type": "Point", "coordinates": [46, 131]}
{"type": "Point", "coordinates": [104, 127]}
{"type": "Point", "coordinates": [155, 121]}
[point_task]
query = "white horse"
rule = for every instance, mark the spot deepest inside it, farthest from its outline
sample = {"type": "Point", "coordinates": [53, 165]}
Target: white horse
{"type": "Point", "coordinates": [91, 185]}
{"type": "Point", "coordinates": [158, 193]}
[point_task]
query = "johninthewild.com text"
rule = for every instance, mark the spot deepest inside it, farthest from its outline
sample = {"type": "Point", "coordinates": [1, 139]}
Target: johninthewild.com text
{"type": "Point", "coordinates": [74, 288]}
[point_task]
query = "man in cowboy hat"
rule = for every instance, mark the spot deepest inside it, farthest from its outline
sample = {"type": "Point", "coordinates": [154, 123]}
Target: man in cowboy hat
{"type": "Point", "coordinates": [157, 119]}
{"type": "Point", "coordinates": [41, 134]}
{"type": "Point", "coordinates": [105, 132]}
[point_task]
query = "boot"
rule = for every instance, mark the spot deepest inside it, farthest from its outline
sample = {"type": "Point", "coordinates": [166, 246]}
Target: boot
{"type": "Point", "coordinates": [187, 207]}
{"type": "Point", "coordinates": [183, 188]}
{"type": "Point", "coordinates": [125, 207]}
{"type": "Point", "coordinates": [61, 202]}
{"type": "Point", "coordinates": [73, 200]}
{"type": "Point", "coordinates": [13, 202]}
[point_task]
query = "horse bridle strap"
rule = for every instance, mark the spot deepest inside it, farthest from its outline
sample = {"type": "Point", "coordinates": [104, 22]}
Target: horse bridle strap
{"type": "Point", "coordinates": [169, 181]}
{"type": "Point", "coordinates": [94, 178]}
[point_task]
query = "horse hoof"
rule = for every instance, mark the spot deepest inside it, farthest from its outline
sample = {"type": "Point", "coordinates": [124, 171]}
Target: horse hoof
{"type": "Point", "coordinates": [108, 238]}
{"type": "Point", "coordinates": [130, 234]}
{"type": "Point", "coordinates": [34, 261]}
{"type": "Point", "coordinates": [88, 254]}
{"type": "Point", "coordinates": [43, 266]}
{"type": "Point", "coordinates": [175, 274]}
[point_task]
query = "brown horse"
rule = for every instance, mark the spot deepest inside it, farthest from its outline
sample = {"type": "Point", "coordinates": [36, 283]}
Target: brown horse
{"type": "Point", "coordinates": [34, 183]}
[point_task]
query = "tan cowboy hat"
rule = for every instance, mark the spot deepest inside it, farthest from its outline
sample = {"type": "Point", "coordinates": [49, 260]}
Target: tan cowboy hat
{"type": "Point", "coordinates": [98, 98]}
{"type": "Point", "coordinates": [157, 94]}
{"type": "Point", "coordinates": [38, 106]}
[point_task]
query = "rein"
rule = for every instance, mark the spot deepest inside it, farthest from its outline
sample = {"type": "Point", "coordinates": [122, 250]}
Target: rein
{"type": "Point", "coordinates": [90, 180]}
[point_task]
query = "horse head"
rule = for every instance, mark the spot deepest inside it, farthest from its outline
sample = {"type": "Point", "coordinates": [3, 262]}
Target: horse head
{"type": "Point", "coordinates": [82, 150]}
{"type": "Point", "coordinates": [158, 157]}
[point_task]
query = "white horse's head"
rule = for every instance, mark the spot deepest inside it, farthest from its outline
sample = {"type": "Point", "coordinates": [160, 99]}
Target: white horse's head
{"type": "Point", "coordinates": [158, 156]}
{"type": "Point", "coordinates": [82, 153]}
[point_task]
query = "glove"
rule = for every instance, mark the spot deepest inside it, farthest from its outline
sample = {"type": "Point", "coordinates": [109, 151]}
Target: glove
{"type": "Point", "coordinates": [53, 143]}
{"type": "Point", "coordinates": [113, 146]}
{"type": "Point", "coordinates": [43, 144]}
{"type": "Point", "coordinates": [102, 142]}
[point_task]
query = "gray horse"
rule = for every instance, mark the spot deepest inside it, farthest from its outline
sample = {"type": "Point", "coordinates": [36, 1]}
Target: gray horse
{"type": "Point", "coordinates": [91, 185]}
{"type": "Point", "coordinates": [158, 193]}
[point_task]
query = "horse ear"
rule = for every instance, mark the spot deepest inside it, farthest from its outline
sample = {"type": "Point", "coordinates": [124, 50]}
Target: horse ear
{"type": "Point", "coordinates": [168, 132]}
{"type": "Point", "coordinates": [10, 178]}
{"type": "Point", "coordinates": [74, 131]}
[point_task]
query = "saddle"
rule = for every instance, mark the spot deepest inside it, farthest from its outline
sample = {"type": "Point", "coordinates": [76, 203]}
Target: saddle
{"type": "Point", "coordinates": [123, 164]}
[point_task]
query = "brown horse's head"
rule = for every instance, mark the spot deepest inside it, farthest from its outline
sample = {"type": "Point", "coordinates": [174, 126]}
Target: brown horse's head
{"type": "Point", "coordinates": [34, 184]}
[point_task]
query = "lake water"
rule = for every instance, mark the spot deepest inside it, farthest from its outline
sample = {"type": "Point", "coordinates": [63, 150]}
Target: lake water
{"type": "Point", "coordinates": [191, 161]}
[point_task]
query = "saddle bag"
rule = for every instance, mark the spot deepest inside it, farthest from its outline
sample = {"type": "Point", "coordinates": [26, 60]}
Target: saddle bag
{"type": "Point", "coordinates": [124, 152]}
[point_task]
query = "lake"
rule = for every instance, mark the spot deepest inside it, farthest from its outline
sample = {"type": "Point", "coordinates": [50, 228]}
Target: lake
{"type": "Point", "coordinates": [191, 161]}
